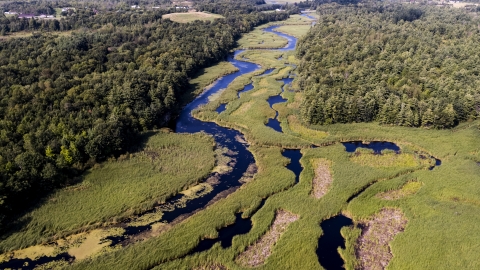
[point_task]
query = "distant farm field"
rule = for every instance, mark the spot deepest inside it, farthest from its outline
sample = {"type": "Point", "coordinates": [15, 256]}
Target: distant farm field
{"type": "Point", "coordinates": [281, 1]}
{"type": "Point", "coordinates": [191, 16]}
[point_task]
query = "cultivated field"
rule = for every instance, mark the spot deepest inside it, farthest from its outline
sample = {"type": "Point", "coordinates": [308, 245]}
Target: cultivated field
{"type": "Point", "coordinates": [185, 17]}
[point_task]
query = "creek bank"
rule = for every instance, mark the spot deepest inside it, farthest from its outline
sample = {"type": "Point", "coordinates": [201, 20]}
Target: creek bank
{"type": "Point", "coordinates": [225, 234]}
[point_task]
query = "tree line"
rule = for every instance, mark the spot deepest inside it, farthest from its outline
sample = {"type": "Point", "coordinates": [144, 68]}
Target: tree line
{"type": "Point", "coordinates": [84, 15]}
{"type": "Point", "coordinates": [415, 67]}
{"type": "Point", "coordinates": [68, 102]}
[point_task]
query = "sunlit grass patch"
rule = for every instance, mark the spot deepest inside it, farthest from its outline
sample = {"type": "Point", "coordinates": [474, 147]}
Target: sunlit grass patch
{"type": "Point", "coordinates": [303, 131]}
{"type": "Point", "coordinates": [410, 188]}
{"type": "Point", "coordinates": [243, 108]}
{"type": "Point", "coordinates": [259, 39]}
{"type": "Point", "coordinates": [92, 243]}
{"type": "Point", "coordinates": [295, 30]}
{"type": "Point", "coordinates": [387, 159]}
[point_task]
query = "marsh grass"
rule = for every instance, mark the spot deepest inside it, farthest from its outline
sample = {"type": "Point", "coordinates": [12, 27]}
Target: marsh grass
{"type": "Point", "coordinates": [296, 26]}
{"type": "Point", "coordinates": [302, 131]}
{"type": "Point", "coordinates": [389, 160]}
{"type": "Point", "coordinates": [350, 234]}
{"type": "Point", "coordinates": [295, 30]}
{"type": "Point", "coordinates": [410, 188]}
{"type": "Point", "coordinates": [205, 79]}
{"type": "Point", "coordinates": [259, 39]}
{"type": "Point", "coordinates": [168, 164]}
{"type": "Point", "coordinates": [442, 215]}
{"type": "Point", "coordinates": [458, 149]}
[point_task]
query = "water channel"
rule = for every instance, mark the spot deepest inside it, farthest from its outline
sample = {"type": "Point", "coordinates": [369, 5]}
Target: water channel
{"type": "Point", "coordinates": [330, 241]}
{"type": "Point", "coordinates": [224, 138]}
{"type": "Point", "coordinates": [242, 159]}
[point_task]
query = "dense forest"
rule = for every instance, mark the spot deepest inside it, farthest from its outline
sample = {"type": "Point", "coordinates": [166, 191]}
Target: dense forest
{"type": "Point", "coordinates": [398, 65]}
{"type": "Point", "coordinates": [70, 101]}
{"type": "Point", "coordinates": [80, 19]}
{"type": "Point", "coordinates": [226, 7]}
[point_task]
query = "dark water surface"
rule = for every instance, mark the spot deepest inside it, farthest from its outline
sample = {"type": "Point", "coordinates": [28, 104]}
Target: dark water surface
{"type": "Point", "coordinates": [224, 137]}
{"type": "Point", "coordinates": [31, 264]}
{"type": "Point", "coordinates": [329, 242]}
{"type": "Point", "coordinates": [247, 87]}
{"type": "Point", "coordinates": [294, 155]}
{"type": "Point", "coordinates": [376, 146]}
{"type": "Point", "coordinates": [226, 234]}
{"type": "Point", "coordinates": [273, 122]}
{"type": "Point", "coordinates": [221, 108]}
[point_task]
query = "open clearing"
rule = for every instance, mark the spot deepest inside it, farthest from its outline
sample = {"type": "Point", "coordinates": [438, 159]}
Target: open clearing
{"type": "Point", "coordinates": [186, 17]}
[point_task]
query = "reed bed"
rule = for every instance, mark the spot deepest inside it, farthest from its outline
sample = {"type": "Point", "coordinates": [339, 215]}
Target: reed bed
{"type": "Point", "coordinates": [118, 189]}
{"type": "Point", "coordinates": [442, 215]}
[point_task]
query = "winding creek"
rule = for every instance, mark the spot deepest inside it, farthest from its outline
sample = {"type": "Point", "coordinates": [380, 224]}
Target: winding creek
{"type": "Point", "coordinates": [224, 137]}
{"type": "Point", "coordinates": [273, 122]}
{"type": "Point", "coordinates": [231, 139]}
{"type": "Point", "coordinates": [329, 242]}
{"type": "Point", "coordinates": [241, 159]}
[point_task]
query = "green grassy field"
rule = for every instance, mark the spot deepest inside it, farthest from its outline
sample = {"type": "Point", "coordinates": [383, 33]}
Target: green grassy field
{"type": "Point", "coordinates": [294, 30]}
{"type": "Point", "coordinates": [168, 164]}
{"type": "Point", "coordinates": [440, 206]}
{"type": "Point", "coordinates": [185, 17]}
{"type": "Point", "coordinates": [208, 75]}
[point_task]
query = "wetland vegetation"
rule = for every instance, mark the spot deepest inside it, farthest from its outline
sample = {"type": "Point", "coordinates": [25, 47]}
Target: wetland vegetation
{"type": "Point", "coordinates": [364, 192]}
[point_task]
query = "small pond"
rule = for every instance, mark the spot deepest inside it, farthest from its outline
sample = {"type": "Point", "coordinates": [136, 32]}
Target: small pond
{"type": "Point", "coordinates": [329, 242]}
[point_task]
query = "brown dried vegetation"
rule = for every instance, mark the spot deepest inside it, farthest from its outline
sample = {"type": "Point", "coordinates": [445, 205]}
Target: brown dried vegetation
{"type": "Point", "coordinates": [373, 249]}
{"type": "Point", "coordinates": [323, 178]}
{"type": "Point", "coordinates": [211, 267]}
{"type": "Point", "coordinates": [257, 253]}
